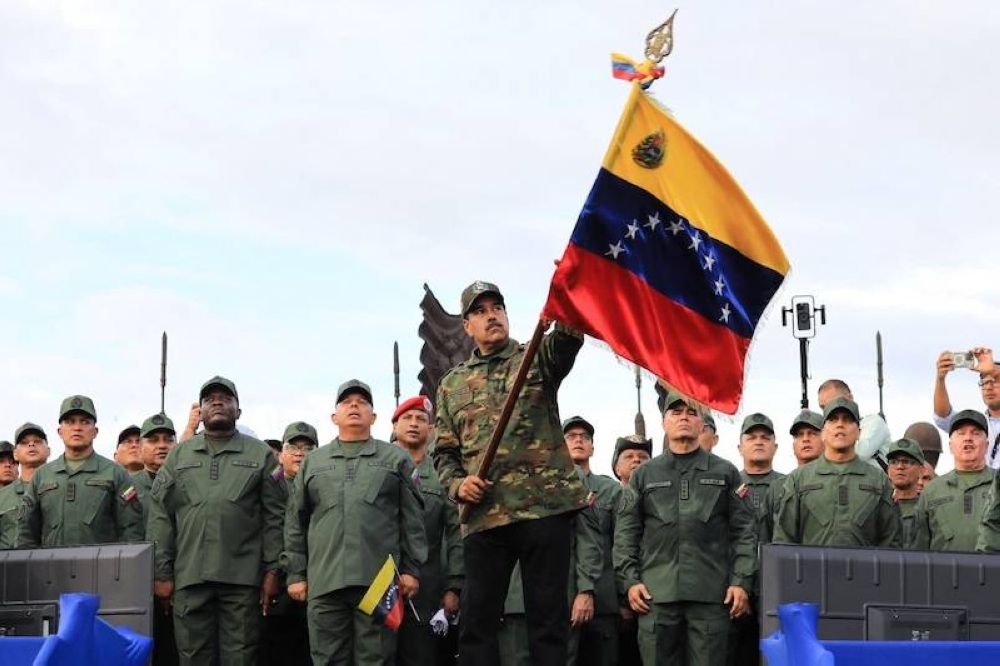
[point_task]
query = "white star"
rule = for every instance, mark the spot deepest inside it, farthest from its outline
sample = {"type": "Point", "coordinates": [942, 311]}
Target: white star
{"type": "Point", "coordinates": [725, 313]}
{"type": "Point", "coordinates": [615, 250]}
{"type": "Point", "coordinates": [677, 226]}
{"type": "Point", "coordinates": [709, 261]}
{"type": "Point", "coordinates": [695, 241]}
{"type": "Point", "coordinates": [719, 286]}
{"type": "Point", "coordinates": [654, 220]}
{"type": "Point", "coordinates": [633, 229]}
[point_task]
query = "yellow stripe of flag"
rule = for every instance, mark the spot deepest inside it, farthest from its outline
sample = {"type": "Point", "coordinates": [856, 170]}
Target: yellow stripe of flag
{"type": "Point", "coordinates": [692, 182]}
{"type": "Point", "coordinates": [383, 579]}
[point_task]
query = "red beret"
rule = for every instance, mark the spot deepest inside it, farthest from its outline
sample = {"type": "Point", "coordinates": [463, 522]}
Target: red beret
{"type": "Point", "coordinates": [421, 402]}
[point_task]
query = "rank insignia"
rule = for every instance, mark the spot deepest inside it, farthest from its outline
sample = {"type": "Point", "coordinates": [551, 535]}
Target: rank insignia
{"type": "Point", "coordinates": [649, 152]}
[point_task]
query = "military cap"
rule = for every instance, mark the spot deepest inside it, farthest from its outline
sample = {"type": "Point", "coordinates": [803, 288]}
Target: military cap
{"type": "Point", "coordinates": [926, 435]}
{"type": "Point", "coordinates": [27, 428]}
{"type": "Point", "coordinates": [421, 402]}
{"type": "Point", "coordinates": [77, 403]}
{"type": "Point", "coordinates": [756, 420]}
{"type": "Point", "coordinates": [968, 416]}
{"type": "Point", "coordinates": [128, 432]}
{"type": "Point", "coordinates": [630, 442]}
{"type": "Point", "coordinates": [806, 417]}
{"type": "Point", "coordinates": [218, 382]}
{"type": "Point", "coordinates": [6, 449]}
{"type": "Point", "coordinates": [157, 423]}
{"type": "Point", "coordinates": [577, 421]}
{"type": "Point", "coordinates": [354, 386]}
{"type": "Point", "coordinates": [275, 445]}
{"type": "Point", "coordinates": [841, 404]}
{"type": "Point", "coordinates": [301, 429]}
{"type": "Point", "coordinates": [906, 447]}
{"type": "Point", "coordinates": [477, 289]}
{"type": "Point", "coordinates": [710, 421]}
{"type": "Point", "coordinates": [673, 397]}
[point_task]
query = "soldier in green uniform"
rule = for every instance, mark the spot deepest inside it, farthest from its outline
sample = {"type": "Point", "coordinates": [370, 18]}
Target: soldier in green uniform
{"type": "Point", "coordinates": [906, 464]}
{"type": "Point", "coordinates": [10, 501]}
{"type": "Point", "coordinates": [354, 504]}
{"type": "Point", "coordinates": [128, 452]}
{"type": "Point", "coordinates": [757, 447]}
{"type": "Point", "coordinates": [685, 546]}
{"type": "Point", "coordinates": [838, 499]}
{"type": "Point", "coordinates": [157, 437]}
{"type": "Point", "coordinates": [596, 615]}
{"type": "Point", "coordinates": [807, 439]}
{"type": "Point", "coordinates": [443, 575]}
{"type": "Point", "coordinates": [31, 450]}
{"type": "Point", "coordinates": [80, 498]}
{"type": "Point", "coordinates": [215, 517]}
{"type": "Point", "coordinates": [951, 506]}
{"type": "Point", "coordinates": [709, 437]}
{"type": "Point", "coordinates": [285, 634]}
{"type": "Point", "coordinates": [523, 511]}
{"type": "Point", "coordinates": [8, 464]}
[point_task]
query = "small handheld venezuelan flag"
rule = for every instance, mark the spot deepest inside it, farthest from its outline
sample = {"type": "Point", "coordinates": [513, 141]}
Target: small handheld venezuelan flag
{"type": "Point", "coordinates": [382, 601]}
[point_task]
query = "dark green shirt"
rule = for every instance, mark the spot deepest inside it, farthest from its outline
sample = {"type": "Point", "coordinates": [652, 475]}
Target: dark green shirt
{"type": "Point", "coordinates": [89, 505]}
{"type": "Point", "coordinates": [950, 510]}
{"type": "Point", "coordinates": [845, 504]}
{"type": "Point", "coordinates": [354, 505]}
{"type": "Point", "coordinates": [143, 482]}
{"type": "Point", "coordinates": [762, 488]}
{"type": "Point", "coordinates": [216, 512]}
{"type": "Point", "coordinates": [907, 513]}
{"type": "Point", "coordinates": [607, 496]}
{"type": "Point", "coordinates": [444, 569]}
{"type": "Point", "coordinates": [11, 501]}
{"type": "Point", "coordinates": [687, 535]}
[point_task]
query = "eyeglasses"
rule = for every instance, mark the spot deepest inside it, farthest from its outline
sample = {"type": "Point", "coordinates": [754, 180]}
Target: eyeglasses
{"type": "Point", "coordinates": [902, 462]}
{"type": "Point", "coordinates": [304, 448]}
{"type": "Point", "coordinates": [987, 383]}
{"type": "Point", "coordinates": [578, 435]}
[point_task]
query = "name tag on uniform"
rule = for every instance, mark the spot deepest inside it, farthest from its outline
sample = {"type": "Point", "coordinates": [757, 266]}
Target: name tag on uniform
{"type": "Point", "coordinates": [940, 500]}
{"type": "Point", "coordinates": [712, 482]}
{"type": "Point", "coordinates": [383, 465]}
{"type": "Point", "coordinates": [102, 483]}
{"type": "Point", "coordinates": [871, 489]}
{"type": "Point", "coordinates": [188, 465]}
{"type": "Point", "coordinates": [246, 463]}
{"type": "Point", "coordinates": [810, 486]}
{"type": "Point", "coordinates": [659, 484]}
{"type": "Point", "coordinates": [46, 487]}
{"type": "Point", "coordinates": [319, 470]}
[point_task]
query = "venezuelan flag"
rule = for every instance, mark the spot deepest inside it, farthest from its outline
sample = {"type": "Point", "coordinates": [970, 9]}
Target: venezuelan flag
{"type": "Point", "coordinates": [381, 600]}
{"type": "Point", "coordinates": [669, 263]}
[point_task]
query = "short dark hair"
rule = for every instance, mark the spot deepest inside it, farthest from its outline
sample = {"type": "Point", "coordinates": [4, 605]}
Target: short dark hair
{"type": "Point", "coordinates": [837, 384]}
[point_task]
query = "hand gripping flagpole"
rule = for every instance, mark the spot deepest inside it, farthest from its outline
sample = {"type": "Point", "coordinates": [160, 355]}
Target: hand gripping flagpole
{"type": "Point", "coordinates": [413, 608]}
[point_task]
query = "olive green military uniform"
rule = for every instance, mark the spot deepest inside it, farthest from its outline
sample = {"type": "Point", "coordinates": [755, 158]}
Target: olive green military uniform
{"type": "Point", "coordinates": [355, 503]}
{"type": "Point", "coordinates": [533, 474]}
{"type": "Point", "coordinates": [599, 637]}
{"type": "Point", "coordinates": [989, 529]}
{"type": "Point", "coordinates": [142, 481]}
{"type": "Point", "coordinates": [838, 504]}
{"type": "Point", "coordinates": [950, 509]}
{"type": "Point", "coordinates": [906, 448]}
{"type": "Point", "coordinates": [685, 530]}
{"type": "Point", "coordinates": [908, 514]}
{"type": "Point", "coordinates": [216, 519]}
{"type": "Point", "coordinates": [95, 503]}
{"type": "Point", "coordinates": [11, 501]}
{"type": "Point", "coordinates": [443, 571]}
{"type": "Point", "coordinates": [586, 563]}
{"type": "Point", "coordinates": [761, 496]}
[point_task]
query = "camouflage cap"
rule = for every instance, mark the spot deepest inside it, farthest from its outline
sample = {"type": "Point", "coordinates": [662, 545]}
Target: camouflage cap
{"type": "Point", "coordinates": [710, 421]}
{"type": "Point", "coordinates": [6, 449]}
{"type": "Point", "coordinates": [841, 404]}
{"type": "Point", "coordinates": [968, 416]}
{"type": "Point", "coordinates": [477, 289]}
{"type": "Point", "coordinates": [756, 420]}
{"type": "Point", "coordinates": [218, 382]}
{"type": "Point", "coordinates": [354, 386]}
{"type": "Point", "coordinates": [906, 447]}
{"type": "Point", "coordinates": [806, 417]}
{"type": "Point", "coordinates": [77, 404]}
{"type": "Point", "coordinates": [157, 423]}
{"type": "Point", "coordinates": [27, 429]}
{"type": "Point", "coordinates": [130, 431]}
{"type": "Point", "coordinates": [630, 442]}
{"type": "Point", "coordinates": [926, 434]}
{"type": "Point", "coordinates": [301, 429]}
{"type": "Point", "coordinates": [577, 421]}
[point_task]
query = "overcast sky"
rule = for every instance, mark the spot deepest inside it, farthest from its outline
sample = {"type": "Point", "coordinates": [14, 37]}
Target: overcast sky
{"type": "Point", "coordinates": [272, 183]}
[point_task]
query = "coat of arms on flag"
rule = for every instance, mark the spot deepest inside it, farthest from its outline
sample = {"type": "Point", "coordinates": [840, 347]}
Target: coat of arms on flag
{"type": "Point", "coordinates": [382, 600]}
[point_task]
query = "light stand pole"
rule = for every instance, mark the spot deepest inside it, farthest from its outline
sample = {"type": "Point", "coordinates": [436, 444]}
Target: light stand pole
{"type": "Point", "coordinates": [804, 310]}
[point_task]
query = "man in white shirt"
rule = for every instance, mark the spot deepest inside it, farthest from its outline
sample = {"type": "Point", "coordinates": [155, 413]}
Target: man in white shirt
{"type": "Point", "coordinates": [989, 386]}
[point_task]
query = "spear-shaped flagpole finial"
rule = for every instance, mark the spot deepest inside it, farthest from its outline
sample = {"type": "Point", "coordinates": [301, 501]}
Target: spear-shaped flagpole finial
{"type": "Point", "coordinates": [395, 370]}
{"type": "Point", "coordinates": [163, 373]}
{"type": "Point", "coordinates": [660, 40]}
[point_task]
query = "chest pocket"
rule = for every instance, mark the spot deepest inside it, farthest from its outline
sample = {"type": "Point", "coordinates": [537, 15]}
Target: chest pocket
{"type": "Point", "coordinates": [242, 478]}
{"type": "Point", "coordinates": [381, 483]}
{"type": "Point", "coordinates": [96, 495]}
{"type": "Point", "coordinates": [817, 503]}
{"type": "Point", "coordinates": [188, 482]}
{"type": "Point", "coordinates": [864, 505]}
{"type": "Point", "coordinates": [659, 499]}
{"type": "Point", "coordinates": [324, 488]}
{"type": "Point", "coordinates": [709, 492]}
{"type": "Point", "coordinates": [941, 513]}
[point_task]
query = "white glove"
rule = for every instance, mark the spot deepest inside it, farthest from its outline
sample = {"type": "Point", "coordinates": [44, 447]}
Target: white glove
{"type": "Point", "coordinates": [439, 623]}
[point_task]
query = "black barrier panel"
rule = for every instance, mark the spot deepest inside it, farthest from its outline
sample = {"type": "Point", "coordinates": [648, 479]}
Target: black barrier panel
{"type": "Point", "coordinates": [856, 587]}
{"type": "Point", "coordinates": [121, 574]}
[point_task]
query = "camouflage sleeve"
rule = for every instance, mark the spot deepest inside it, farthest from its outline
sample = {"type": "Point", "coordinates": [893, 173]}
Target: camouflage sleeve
{"type": "Point", "coordinates": [160, 526]}
{"type": "Point", "coordinates": [273, 501]}
{"type": "Point", "coordinates": [412, 535]}
{"type": "Point", "coordinates": [890, 523]}
{"type": "Point", "coordinates": [447, 452]}
{"type": "Point", "coordinates": [297, 517]}
{"type": "Point", "coordinates": [589, 549]}
{"type": "Point", "coordinates": [921, 539]}
{"type": "Point", "coordinates": [786, 519]}
{"type": "Point", "coordinates": [453, 550]}
{"type": "Point", "coordinates": [989, 526]}
{"type": "Point", "coordinates": [30, 524]}
{"type": "Point", "coordinates": [742, 535]}
{"type": "Point", "coordinates": [128, 508]}
{"type": "Point", "coordinates": [557, 354]}
{"type": "Point", "coordinates": [628, 535]}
